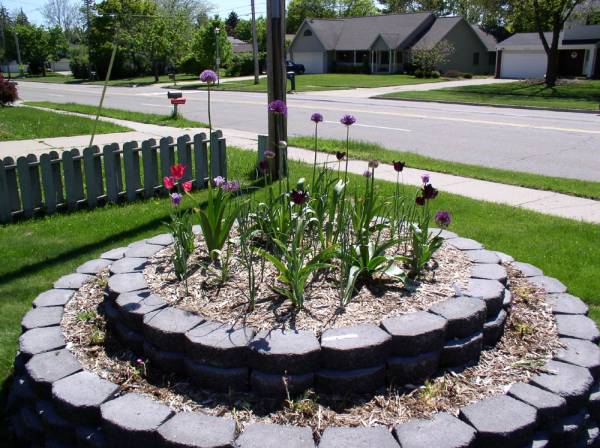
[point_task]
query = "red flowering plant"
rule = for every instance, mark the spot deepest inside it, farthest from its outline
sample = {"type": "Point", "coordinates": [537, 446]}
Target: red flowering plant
{"type": "Point", "coordinates": [8, 92]}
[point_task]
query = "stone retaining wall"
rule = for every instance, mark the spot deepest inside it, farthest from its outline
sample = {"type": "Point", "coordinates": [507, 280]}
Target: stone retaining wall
{"type": "Point", "coordinates": [54, 402]}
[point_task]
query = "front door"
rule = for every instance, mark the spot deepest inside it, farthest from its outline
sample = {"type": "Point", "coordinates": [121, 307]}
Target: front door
{"type": "Point", "coordinates": [570, 62]}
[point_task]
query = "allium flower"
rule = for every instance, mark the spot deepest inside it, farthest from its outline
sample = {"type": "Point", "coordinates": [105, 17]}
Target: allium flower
{"type": "Point", "coordinates": [282, 145]}
{"type": "Point", "coordinates": [263, 165]}
{"type": "Point", "coordinates": [269, 154]}
{"type": "Point", "coordinates": [425, 178]}
{"type": "Point", "coordinates": [209, 77]}
{"type": "Point", "coordinates": [169, 182]}
{"type": "Point", "coordinates": [177, 171]}
{"type": "Point", "coordinates": [420, 200]}
{"type": "Point", "coordinates": [348, 120]}
{"type": "Point", "coordinates": [399, 166]}
{"type": "Point", "coordinates": [278, 107]}
{"type": "Point", "coordinates": [299, 196]}
{"type": "Point", "coordinates": [429, 192]}
{"type": "Point", "coordinates": [340, 155]}
{"type": "Point", "coordinates": [231, 186]}
{"type": "Point", "coordinates": [316, 117]}
{"type": "Point", "coordinates": [176, 199]}
{"type": "Point", "coordinates": [219, 181]}
{"type": "Point", "coordinates": [373, 163]}
{"type": "Point", "coordinates": [443, 218]}
{"type": "Point", "coordinates": [187, 186]}
{"type": "Point", "coordinates": [367, 174]}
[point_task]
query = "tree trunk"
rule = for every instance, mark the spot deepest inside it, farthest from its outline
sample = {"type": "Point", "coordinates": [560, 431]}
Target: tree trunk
{"type": "Point", "coordinates": [156, 74]}
{"type": "Point", "coordinates": [553, 56]}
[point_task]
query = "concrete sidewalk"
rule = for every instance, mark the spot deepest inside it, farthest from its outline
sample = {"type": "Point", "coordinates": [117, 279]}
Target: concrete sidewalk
{"type": "Point", "coordinates": [550, 203]}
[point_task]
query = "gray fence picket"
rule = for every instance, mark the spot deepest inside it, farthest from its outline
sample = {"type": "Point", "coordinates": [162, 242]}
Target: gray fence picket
{"type": "Point", "coordinates": [215, 163]}
{"type": "Point", "coordinates": [201, 160]}
{"type": "Point", "coordinates": [184, 155]}
{"type": "Point", "coordinates": [10, 169]}
{"type": "Point", "coordinates": [34, 177]}
{"type": "Point", "coordinates": [92, 166]}
{"type": "Point", "coordinates": [131, 159]}
{"type": "Point", "coordinates": [167, 156]}
{"type": "Point", "coordinates": [25, 184]}
{"type": "Point", "coordinates": [150, 161]}
{"type": "Point", "coordinates": [262, 147]}
{"type": "Point", "coordinates": [73, 177]}
{"type": "Point", "coordinates": [52, 197]}
{"type": "Point", "coordinates": [223, 157]}
{"type": "Point", "coordinates": [5, 206]}
{"type": "Point", "coordinates": [112, 172]}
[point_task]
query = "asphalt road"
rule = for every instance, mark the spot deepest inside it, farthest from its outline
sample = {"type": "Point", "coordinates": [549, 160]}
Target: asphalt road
{"type": "Point", "coordinates": [559, 144]}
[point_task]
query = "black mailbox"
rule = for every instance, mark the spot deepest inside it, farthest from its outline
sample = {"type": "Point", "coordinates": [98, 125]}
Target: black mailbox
{"type": "Point", "coordinates": [174, 95]}
{"type": "Point", "coordinates": [292, 77]}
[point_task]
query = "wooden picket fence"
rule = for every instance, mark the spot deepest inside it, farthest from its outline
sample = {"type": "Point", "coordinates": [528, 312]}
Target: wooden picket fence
{"type": "Point", "coordinates": [94, 177]}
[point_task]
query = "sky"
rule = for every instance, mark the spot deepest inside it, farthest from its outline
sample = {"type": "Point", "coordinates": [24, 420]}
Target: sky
{"type": "Point", "coordinates": [222, 7]}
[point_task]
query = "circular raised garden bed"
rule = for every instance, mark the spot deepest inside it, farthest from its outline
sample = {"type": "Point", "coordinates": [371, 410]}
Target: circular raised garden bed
{"type": "Point", "coordinates": [64, 395]}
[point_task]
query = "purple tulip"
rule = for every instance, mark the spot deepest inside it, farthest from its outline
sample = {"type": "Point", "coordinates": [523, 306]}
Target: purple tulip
{"type": "Point", "coordinates": [219, 181]}
{"type": "Point", "coordinates": [176, 199]}
{"type": "Point", "coordinates": [269, 154]}
{"type": "Point", "coordinates": [232, 186]}
{"type": "Point", "coordinates": [299, 196]}
{"type": "Point", "coordinates": [317, 118]}
{"type": "Point", "coordinates": [425, 178]}
{"type": "Point", "coordinates": [399, 166]}
{"type": "Point", "coordinates": [209, 77]}
{"type": "Point", "coordinates": [348, 120]}
{"type": "Point", "coordinates": [278, 107]}
{"type": "Point", "coordinates": [373, 163]}
{"type": "Point", "coordinates": [443, 218]}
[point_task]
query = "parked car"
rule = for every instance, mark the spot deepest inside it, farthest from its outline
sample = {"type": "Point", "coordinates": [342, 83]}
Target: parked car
{"type": "Point", "coordinates": [291, 66]}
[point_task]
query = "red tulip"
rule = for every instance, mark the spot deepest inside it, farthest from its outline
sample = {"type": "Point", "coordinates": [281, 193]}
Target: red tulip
{"type": "Point", "coordinates": [187, 186]}
{"type": "Point", "coordinates": [168, 182]}
{"type": "Point", "coordinates": [177, 171]}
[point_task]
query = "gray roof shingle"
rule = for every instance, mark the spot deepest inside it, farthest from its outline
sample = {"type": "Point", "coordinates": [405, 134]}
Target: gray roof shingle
{"type": "Point", "coordinates": [525, 39]}
{"type": "Point", "coordinates": [437, 32]}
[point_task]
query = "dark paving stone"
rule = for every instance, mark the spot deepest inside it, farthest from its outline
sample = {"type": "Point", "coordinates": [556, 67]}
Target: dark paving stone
{"type": "Point", "coordinates": [415, 333]}
{"type": "Point", "coordinates": [490, 291]}
{"type": "Point", "coordinates": [580, 353]}
{"type": "Point", "coordinates": [32, 422]}
{"type": "Point", "coordinates": [133, 306]}
{"type": "Point", "coordinates": [128, 265]}
{"type": "Point", "coordinates": [23, 390]}
{"type": "Point", "coordinates": [504, 258]}
{"type": "Point", "coordinates": [568, 430]}
{"type": "Point", "coordinates": [493, 329]}
{"type": "Point", "coordinates": [460, 352]}
{"type": "Point", "coordinates": [465, 244]}
{"type": "Point", "coordinates": [551, 285]}
{"type": "Point", "coordinates": [590, 437]}
{"type": "Point", "coordinates": [46, 368]}
{"type": "Point", "coordinates": [489, 272]}
{"type": "Point", "coordinates": [219, 345]}
{"type": "Point", "coordinates": [261, 435]}
{"type": "Point", "coordinates": [92, 437]}
{"type": "Point", "coordinates": [280, 351]}
{"type": "Point", "coordinates": [357, 347]}
{"type": "Point", "coordinates": [577, 326]}
{"type": "Point", "coordinates": [465, 316]}
{"type": "Point", "coordinates": [500, 421]}
{"type": "Point", "coordinates": [573, 383]}
{"type": "Point", "coordinates": [550, 407]}
{"type": "Point", "coordinates": [540, 440]}
{"type": "Point", "coordinates": [527, 270]}
{"type": "Point", "coordinates": [42, 317]}
{"type": "Point", "coordinates": [594, 402]}
{"type": "Point", "coordinates": [195, 430]}
{"type": "Point", "coordinates": [53, 421]}
{"type": "Point", "coordinates": [357, 438]}
{"type": "Point", "coordinates": [482, 256]}
{"type": "Point", "coordinates": [167, 361]}
{"type": "Point", "coordinates": [72, 281]}
{"type": "Point", "coordinates": [94, 267]}
{"type": "Point", "coordinates": [114, 254]}
{"type": "Point", "coordinates": [143, 251]}
{"type": "Point", "coordinates": [217, 378]}
{"type": "Point", "coordinates": [132, 339]}
{"type": "Point", "coordinates": [132, 420]}
{"type": "Point", "coordinates": [122, 283]}
{"type": "Point", "coordinates": [443, 233]}
{"type": "Point", "coordinates": [412, 370]}
{"type": "Point", "coordinates": [566, 304]}
{"type": "Point", "coordinates": [166, 327]}
{"type": "Point", "coordinates": [277, 385]}
{"type": "Point", "coordinates": [40, 340]}
{"type": "Point", "coordinates": [163, 239]}
{"type": "Point", "coordinates": [79, 397]}
{"type": "Point", "coordinates": [443, 431]}
{"type": "Point", "coordinates": [351, 381]}
{"type": "Point", "coordinates": [53, 297]}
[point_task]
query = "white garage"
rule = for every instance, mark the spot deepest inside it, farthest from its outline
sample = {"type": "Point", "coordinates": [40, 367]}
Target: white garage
{"type": "Point", "coordinates": [523, 64]}
{"type": "Point", "coordinates": [314, 62]}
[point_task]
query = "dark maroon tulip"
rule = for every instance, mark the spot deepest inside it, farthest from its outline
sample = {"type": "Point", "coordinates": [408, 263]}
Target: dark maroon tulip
{"type": "Point", "coordinates": [299, 197]}
{"type": "Point", "coordinates": [429, 192]}
{"type": "Point", "coordinates": [340, 155]}
{"type": "Point", "coordinates": [420, 200]}
{"type": "Point", "coordinates": [399, 166]}
{"type": "Point", "coordinates": [263, 165]}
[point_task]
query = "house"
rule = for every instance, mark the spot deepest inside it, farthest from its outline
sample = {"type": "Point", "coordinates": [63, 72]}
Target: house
{"type": "Point", "coordinates": [239, 46]}
{"type": "Point", "coordinates": [383, 43]}
{"type": "Point", "coordinates": [522, 55]}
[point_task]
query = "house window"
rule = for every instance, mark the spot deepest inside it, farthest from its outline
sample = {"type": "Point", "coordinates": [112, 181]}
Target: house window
{"type": "Point", "coordinates": [307, 33]}
{"type": "Point", "coordinates": [475, 58]}
{"type": "Point", "coordinates": [362, 56]}
{"type": "Point", "coordinates": [492, 59]}
{"type": "Point", "coordinates": [345, 57]}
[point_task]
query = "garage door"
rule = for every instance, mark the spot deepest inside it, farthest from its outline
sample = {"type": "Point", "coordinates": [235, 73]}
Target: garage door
{"type": "Point", "coordinates": [523, 65]}
{"type": "Point", "coordinates": [312, 61]}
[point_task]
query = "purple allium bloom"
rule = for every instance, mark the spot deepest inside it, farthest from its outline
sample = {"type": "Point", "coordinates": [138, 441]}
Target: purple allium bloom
{"type": "Point", "coordinates": [429, 192]}
{"type": "Point", "coordinates": [399, 166]}
{"type": "Point", "coordinates": [232, 186]}
{"type": "Point", "coordinates": [367, 174]}
{"type": "Point", "coordinates": [208, 76]}
{"type": "Point", "coordinates": [316, 117]}
{"type": "Point", "coordinates": [278, 107]}
{"type": "Point", "coordinates": [425, 178]}
{"type": "Point", "coordinates": [299, 196]}
{"type": "Point", "coordinates": [443, 218]}
{"type": "Point", "coordinates": [373, 163]}
{"type": "Point", "coordinates": [263, 165]}
{"type": "Point", "coordinates": [219, 181]}
{"type": "Point", "coordinates": [340, 155]}
{"type": "Point", "coordinates": [269, 154]}
{"type": "Point", "coordinates": [176, 199]}
{"type": "Point", "coordinates": [348, 120]}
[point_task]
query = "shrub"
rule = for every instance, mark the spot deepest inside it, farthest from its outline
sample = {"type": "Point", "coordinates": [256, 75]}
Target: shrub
{"type": "Point", "coordinates": [8, 92]}
{"type": "Point", "coordinates": [452, 73]}
{"type": "Point", "coordinates": [241, 65]}
{"type": "Point", "coordinates": [80, 63]}
{"type": "Point", "coordinates": [435, 74]}
{"type": "Point", "coordinates": [419, 73]}
{"type": "Point", "coordinates": [467, 75]}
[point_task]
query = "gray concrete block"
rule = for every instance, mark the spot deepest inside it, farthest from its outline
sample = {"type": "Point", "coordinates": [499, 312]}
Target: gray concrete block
{"type": "Point", "coordinates": [594, 402]}
{"type": "Point", "coordinates": [465, 244]}
{"type": "Point", "coordinates": [133, 420]}
{"type": "Point", "coordinates": [443, 233]}
{"type": "Point", "coordinates": [357, 347]}
{"type": "Point", "coordinates": [167, 361]}
{"type": "Point", "coordinates": [72, 281]}
{"type": "Point", "coordinates": [590, 437]}
{"type": "Point", "coordinates": [482, 256]}
{"type": "Point", "coordinates": [540, 440]}
{"type": "Point", "coordinates": [527, 270]}
{"type": "Point", "coordinates": [94, 267]}
{"type": "Point", "coordinates": [23, 390]}
{"type": "Point", "coordinates": [131, 339]}
{"type": "Point", "coordinates": [465, 316]}
{"type": "Point", "coordinates": [261, 435]}
{"type": "Point", "coordinates": [114, 254]}
{"type": "Point", "coordinates": [166, 327]}
{"type": "Point", "coordinates": [580, 353]}
{"type": "Point", "coordinates": [53, 297]}
{"type": "Point", "coordinates": [416, 333]}
{"type": "Point", "coordinates": [501, 421]}
{"type": "Point", "coordinates": [493, 329]}
{"type": "Point", "coordinates": [460, 352]}
{"type": "Point", "coordinates": [217, 378]}
{"type": "Point", "coordinates": [219, 345]}
{"type": "Point", "coordinates": [578, 327]}
{"type": "Point", "coordinates": [42, 317]}
{"type": "Point", "coordinates": [489, 272]}
{"type": "Point", "coordinates": [351, 381]}
{"type": "Point", "coordinates": [568, 430]}
{"type": "Point", "coordinates": [46, 368]}
{"type": "Point", "coordinates": [490, 291]}
{"type": "Point", "coordinates": [122, 283]}
{"type": "Point", "coordinates": [32, 423]}
{"type": "Point", "coordinates": [40, 340]}
{"type": "Point", "coordinates": [279, 351]}
{"type": "Point", "coordinates": [278, 385]}
{"type": "Point", "coordinates": [54, 423]}
{"type": "Point", "coordinates": [143, 250]}
{"type": "Point", "coordinates": [412, 370]}
{"type": "Point", "coordinates": [442, 431]}
{"type": "Point", "coordinates": [91, 437]}
{"type": "Point", "coordinates": [566, 304]}
{"type": "Point", "coordinates": [195, 430]}
{"type": "Point", "coordinates": [550, 407]}
{"type": "Point", "coordinates": [551, 285]}
{"type": "Point", "coordinates": [504, 258]}
{"type": "Point", "coordinates": [164, 239]}
{"type": "Point", "coordinates": [128, 265]}
{"type": "Point", "coordinates": [507, 300]}
{"type": "Point", "coordinates": [78, 397]}
{"type": "Point", "coordinates": [133, 306]}
{"type": "Point", "coordinates": [360, 437]}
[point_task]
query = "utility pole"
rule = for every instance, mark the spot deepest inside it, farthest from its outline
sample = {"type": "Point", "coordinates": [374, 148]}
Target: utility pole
{"type": "Point", "coordinates": [218, 61]}
{"type": "Point", "coordinates": [276, 80]}
{"type": "Point", "coordinates": [254, 44]}
{"type": "Point", "coordinates": [3, 42]}
{"type": "Point", "coordinates": [16, 36]}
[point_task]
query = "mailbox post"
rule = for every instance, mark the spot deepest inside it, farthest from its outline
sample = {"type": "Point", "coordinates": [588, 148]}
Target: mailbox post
{"type": "Point", "coordinates": [292, 77]}
{"type": "Point", "coordinates": [176, 100]}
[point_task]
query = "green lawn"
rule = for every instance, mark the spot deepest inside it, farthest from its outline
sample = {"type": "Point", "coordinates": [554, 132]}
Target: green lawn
{"type": "Point", "coordinates": [161, 120]}
{"type": "Point", "coordinates": [330, 81]}
{"type": "Point", "coordinates": [369, 151]}
{"type": "Point", "coordinates": [138, 81]}
{"type": "Point", "coordinates": [19, 123]}
{"type": "Point", "coordinates": [580, 95]}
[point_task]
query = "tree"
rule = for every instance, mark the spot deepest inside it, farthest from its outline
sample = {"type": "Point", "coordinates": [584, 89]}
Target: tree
{"type": "Point", "coordinates": [64, 14]}
{"type": "Point", "coordinates": [21, 18]}
{"type": "Point", "coordinates": [232, 22]}
{"type": "Point", "coordinates": [243, 31]}
{"type": "Point", "coordinates": [429, 59]}
{"type": "Point", "coordinates": [298, 10]}
{"type": "Point", "coordinates": [353, 8]}
{"type": "Point", "coordinates": [204, 48]}
{"type": "Point", "coordinates": [39, 46]}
